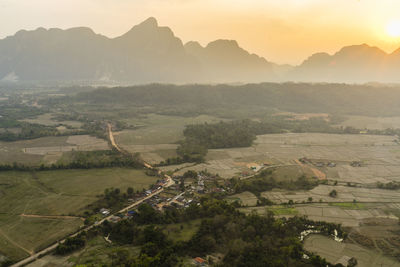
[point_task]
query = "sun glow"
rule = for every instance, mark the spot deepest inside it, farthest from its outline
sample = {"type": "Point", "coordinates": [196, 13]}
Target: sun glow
{"type": "Point", "coordinates": [393, 29]}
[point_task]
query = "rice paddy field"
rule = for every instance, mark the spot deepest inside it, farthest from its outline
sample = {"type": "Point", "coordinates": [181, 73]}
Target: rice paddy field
{"type": "Point", "coordinates": [379, 156]}
{"type": "Point", "coordinates": [336, 252]}
{"type": "Point", "coordinates": [48, 149]}
{"type": "Point", "coordinates": [156, 136]}
{"type": "Point", "coordinates": [245, 199]}
{"type": "Point", "coordinates": [344, 194]}
{"type": "Point", "coordinates": [379, 123]}
{"type": "Point", "coordinates": [38, 208]}
{"type": "Point", "coordinates": [48, 119]}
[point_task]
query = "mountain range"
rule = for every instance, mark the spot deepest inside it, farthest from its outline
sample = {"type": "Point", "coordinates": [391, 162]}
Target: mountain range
{"type": "Point", "coordinates": [150, 53]}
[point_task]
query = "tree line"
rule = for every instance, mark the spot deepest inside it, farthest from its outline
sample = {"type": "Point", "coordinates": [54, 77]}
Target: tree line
{"type": "Point", "coordinates": [82, 160]}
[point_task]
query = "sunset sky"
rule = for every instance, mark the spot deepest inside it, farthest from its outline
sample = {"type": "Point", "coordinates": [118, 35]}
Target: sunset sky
{"type": "Point", "coordinates": [283, 31]}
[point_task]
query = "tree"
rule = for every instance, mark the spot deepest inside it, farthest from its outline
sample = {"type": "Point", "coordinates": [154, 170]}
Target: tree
{"type": "Point", "coordinates": [333, 193]}
{"type": "Point", "coordinates": [352, 262]}
{"type": "Point", "coordinates": [130, 191]}
{"type": "Point", "coordinates": [190, 174]}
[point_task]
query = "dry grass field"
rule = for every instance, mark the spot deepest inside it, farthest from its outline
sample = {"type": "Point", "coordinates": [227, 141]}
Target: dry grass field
{"type": "Point", "coordinates": [379, 155]}
{"type": "Point", "coordinates": [53, 193]}
{"type": "Point", "coordinates": [157, 135]}
{"type": "Point", "coordinates": [245, 198]}
{"type": "Point", "coordinates": [379, 123]}
{"type": "Point", "coordinates": [344, 194]}
{"type": "Point", "coordinates": [335, 252]}
{"type": "Point", "coordinates": [48, 149]}
{"type": "Point", "coordinates": [48, 119]}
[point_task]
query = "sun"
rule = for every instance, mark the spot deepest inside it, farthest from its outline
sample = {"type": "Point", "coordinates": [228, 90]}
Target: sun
{"type": "Point", "coordinates": [393, 28]}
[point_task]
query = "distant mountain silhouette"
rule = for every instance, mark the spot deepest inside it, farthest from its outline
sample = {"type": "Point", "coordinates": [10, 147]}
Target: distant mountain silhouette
{"type": "Point", "coordinates": [222, 60]}
{"type": "Point", "coordinates": [357, 63]}
{"type": "Point", "coordinates": [146, 53]}
{"type": "Point", "coordinates": [150, 53]}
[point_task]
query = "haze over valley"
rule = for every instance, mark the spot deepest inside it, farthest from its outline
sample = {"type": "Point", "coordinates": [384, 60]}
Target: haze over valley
{"type": "Point", "coordinates": [230, 133]}
{"type": "Point", "coordinates": [152, 53]}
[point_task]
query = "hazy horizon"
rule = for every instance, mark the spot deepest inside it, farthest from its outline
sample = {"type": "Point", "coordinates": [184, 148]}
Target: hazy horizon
{"type": "Point", "coordinates": [286, 32]}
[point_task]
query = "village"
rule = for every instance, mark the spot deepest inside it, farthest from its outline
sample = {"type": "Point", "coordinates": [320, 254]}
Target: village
{"type": "Point", "coordinates": [184, 191]}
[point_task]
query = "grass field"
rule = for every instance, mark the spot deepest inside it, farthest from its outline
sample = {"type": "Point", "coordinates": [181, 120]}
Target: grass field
{"type": "Point", "coordinates": [245, 198]}
{"type": "Point", "coordinates": [276, 210]}
{"type": "Point", "coordinates": [182, 231]}
{"type": "Point", "coordinates": [380, 156]}
{"type": "Point", "coordinates": [334, 252]}
{"type": "Point", "coordinates": [345, 194]}
{"type": "Point", "coordinates": [159, 129]}
{"type": "Point", "coordinates": [47, 119]}
{"type": "Point", "coordinates": [363, 122]}
{"type": "Point", "coordinates": [158, 134]}
{"type": "Point", "coordinates": [47, 149]}
{"type": "Point", "coordinates": [53, 193]}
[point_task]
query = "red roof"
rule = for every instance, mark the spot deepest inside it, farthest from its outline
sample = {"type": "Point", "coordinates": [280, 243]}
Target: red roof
{"type": "Point", "coordinates": [199, 260]}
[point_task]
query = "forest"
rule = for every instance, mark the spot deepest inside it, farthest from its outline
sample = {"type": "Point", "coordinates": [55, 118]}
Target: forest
{"type": "Point", "coordinates": [244, 240]}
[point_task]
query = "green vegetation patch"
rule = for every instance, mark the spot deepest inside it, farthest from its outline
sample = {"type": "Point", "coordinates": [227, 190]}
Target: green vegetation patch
{"type": "Point", "coordinates": [245, 199]}
{"type": "Point", "coordinates": [278, 210]}
{"type": "Point", "coordinates": [182, 231]}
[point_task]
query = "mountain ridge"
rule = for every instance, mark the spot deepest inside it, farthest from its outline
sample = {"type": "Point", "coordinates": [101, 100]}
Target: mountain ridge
{"type": "Point", "coordinates": [152, 53]}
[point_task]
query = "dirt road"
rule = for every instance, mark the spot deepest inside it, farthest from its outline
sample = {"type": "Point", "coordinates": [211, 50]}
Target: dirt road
{"type": "Point", "coordinates": [112, 139]}
{"type": "Point", "coordinates": [170, 182]}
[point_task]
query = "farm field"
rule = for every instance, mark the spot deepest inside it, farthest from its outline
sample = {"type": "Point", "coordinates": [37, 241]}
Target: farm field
{"type": "Point", "coordinates": [344, 194]}
{"type": "Point", "coordinates": [181, 231]}
{"type": "Point", "coordinates": [347, 214]}
{"type": "Point", "coordinates": [48, 149]}
{"type": "Point", "coordinates": [157, 135]}
{"type": "Point", "coordinates": [379, 155]}
{"type": "Point", "coordinates": [48, 119]}
{"type": "Point", "coordinates": [276, 210]}
{"type": "Point", "coordinates": [33, 205]}
{"type": "Point", "coordinates": [378, 123]}
{"type": "Point", "coordinates": [336, 252]}
{"type": "Point", "coordinates": [245, 198]}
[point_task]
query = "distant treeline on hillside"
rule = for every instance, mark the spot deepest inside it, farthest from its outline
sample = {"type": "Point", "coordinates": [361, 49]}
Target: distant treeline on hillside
{"type": "Point", "coordinates": [296, 97]}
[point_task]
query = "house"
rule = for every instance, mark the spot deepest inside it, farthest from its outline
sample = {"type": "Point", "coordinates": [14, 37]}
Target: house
{"type": "Point", "coordinates": [131, 213]}
{"type": "Point", "coordinates": [320, 164]}
{"type": "Point", "coordinates": [200, 189]}
{"type": "Point", "coordinates": [114, 219]}
{"type": "Point", "coordinates": [355, 164]}
{"type": "Point", "coordinates": [199, 261]}
{"type": "Point", "coordinates": [104, 212]}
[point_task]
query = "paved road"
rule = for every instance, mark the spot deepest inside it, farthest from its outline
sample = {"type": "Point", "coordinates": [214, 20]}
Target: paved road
{"type": "Point", "coordinates": [170, 182]}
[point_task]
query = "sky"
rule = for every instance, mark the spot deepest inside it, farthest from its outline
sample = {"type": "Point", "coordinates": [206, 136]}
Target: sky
{"type": "Point", "coordinates": [282, 31]}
